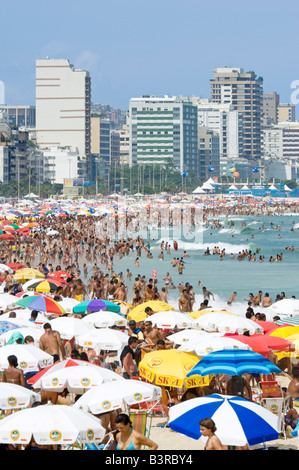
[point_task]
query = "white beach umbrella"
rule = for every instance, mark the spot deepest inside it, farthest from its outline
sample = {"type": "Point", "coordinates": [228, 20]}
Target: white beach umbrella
{"type": "Point", "coordinates": [23, 315]}
{"type": "Point", "coordinates": [171, 319]}
{"type": "Point", "coordinates": [30, 357]}
{"type": "Point", "coordinates": [70, 327]}
{"type": "Point", "coordinates": [24, 331]}
{"type": "Point", "coordinates": [78, 379]}
{"type": "Point", "coordinates": [185, 335]}
{"type": "Point", "coordinates": [51, 425]}
{"type": "Point", "coordinates": [227, 323]}
{"type": "Point", "coordinates": [205, 345]}
{"type": "Point", "coordinates": [111, 396]}
{"type": "Point", "coordinates": [7, 301]}
{"type": "Point", "coordinates": [68, 304]}
{"type": "Point", "coordinates": [4, 268]}
{"type": "Point", "coordinates": [104, 319]}
{"type": "Point", "coordinates": [285, 306]}
{"type": "Point", "coordinates": [13, 396]}
{"type": "Point", "coordinates": [103, 338]}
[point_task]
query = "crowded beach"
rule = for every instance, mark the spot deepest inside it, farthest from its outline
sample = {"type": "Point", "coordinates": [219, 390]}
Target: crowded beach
{"type": "Point", "coordinates": [74, 325]}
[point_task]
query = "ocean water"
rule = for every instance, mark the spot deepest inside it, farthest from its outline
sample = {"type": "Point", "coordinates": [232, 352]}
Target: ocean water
{"type": "Point", "coordinates": [224, 277]}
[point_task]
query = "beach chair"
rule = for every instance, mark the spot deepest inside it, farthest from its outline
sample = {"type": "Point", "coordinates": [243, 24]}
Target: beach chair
{"type": "Point", "coordinates": [141, 421]}
{"type": "Point", "coordinates": [277, 406]}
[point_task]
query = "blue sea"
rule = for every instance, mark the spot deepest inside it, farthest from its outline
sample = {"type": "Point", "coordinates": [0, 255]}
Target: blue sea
{"type": "Point", "coordinates": [222, 277]}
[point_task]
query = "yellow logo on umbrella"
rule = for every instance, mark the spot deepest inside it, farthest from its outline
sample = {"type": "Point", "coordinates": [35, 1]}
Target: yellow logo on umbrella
{"type": "Point", "coordinates": [106, 405]}
{"type": "Point", "coordinates": [90, 434]}
{"type": "Point", "coordinates": [55, 436]}
{"type": "Point", "coordinates": [188, 367]}
{"type": "Point", "coordinates": [14, 435]}
{"type": "Point", "coordinates": [138, 396]}
{"type": "Point", "coordinates": [23, 365]}
{"type": "Point", "coordinates": [85, 381]}
{"type": "Point", "coordinates": [55, 381]}
{"type": "Point", "coordinates": [12, 401]}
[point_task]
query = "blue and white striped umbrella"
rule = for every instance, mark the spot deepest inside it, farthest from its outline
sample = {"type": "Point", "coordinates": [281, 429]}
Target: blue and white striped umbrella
{"type": "Point", "coordinates": [238, 421]}
{"type": "Point", "coordinates": [234, 362]}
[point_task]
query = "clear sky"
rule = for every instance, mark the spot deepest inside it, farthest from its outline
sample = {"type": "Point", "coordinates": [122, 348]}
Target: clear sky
{"type": "Point", "coordinates": [135, 47]}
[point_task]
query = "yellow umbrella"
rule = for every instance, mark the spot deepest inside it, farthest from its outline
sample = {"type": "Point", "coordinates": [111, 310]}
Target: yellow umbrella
{"type": "Point", "coordinates": [125, 307]}
{"type": "Point", "coordinates": [199, 313]}
{"type": "Point", "coordinates": [285, 331]}
{"type": "Point", "coordinates": [169, 367]}
{"type": "Point", "coordinates": [26, 274]}
{"type": "Point", "coordinates": [155, 305]}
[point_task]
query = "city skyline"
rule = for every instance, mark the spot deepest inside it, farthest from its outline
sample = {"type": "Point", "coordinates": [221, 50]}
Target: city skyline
{"type": "Point", "coordinates": [131, 49]}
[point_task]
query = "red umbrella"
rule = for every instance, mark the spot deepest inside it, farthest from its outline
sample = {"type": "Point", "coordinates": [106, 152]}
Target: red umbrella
{"type": "Point", "coordinates": [266, 325]}
{"type": "Point", "coordinates": [56, 366]}
{"type": "Point", "coordinates": [16, 266]}
{"type": "Point", "coordinates": [255, 344]}
{"type": "Point", "coordinates": [59, 275]}
{"type": "Point", "coordinates": [6, 236]}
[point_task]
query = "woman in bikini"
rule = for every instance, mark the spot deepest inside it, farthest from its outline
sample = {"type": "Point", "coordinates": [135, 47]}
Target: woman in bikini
{"type": "Point", "coordinates": [12, 374]}
{"type": "Point", "coordinates": [127, 438]}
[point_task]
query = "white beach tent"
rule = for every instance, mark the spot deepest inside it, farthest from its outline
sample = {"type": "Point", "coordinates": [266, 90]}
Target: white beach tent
{"type": "Point", "coordinates": [208, 187]}
{"type": "Point", "coordinates": [198, 190]}
{"type": "Point", "coordinates": [273, 188]}
{"type": "Point", "coordinates": [232, 188]}
{"type": "Point", "coordinates": [286, 188]}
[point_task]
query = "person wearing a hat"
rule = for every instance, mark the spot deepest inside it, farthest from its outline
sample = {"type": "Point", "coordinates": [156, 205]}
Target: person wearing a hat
{"type": "Point", "coordinates": [135, 331]}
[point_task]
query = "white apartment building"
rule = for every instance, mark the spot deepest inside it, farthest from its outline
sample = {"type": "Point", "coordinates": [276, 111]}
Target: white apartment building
{"type": "Point", "coordinates": [223, 120]}
{"type": "Point", "coordinates": [272, 142]}
{"type": "Point", "coordinates": [61, 163]}
{"type": "Point", "coordinates": [62, 106]}
{"type": "Point", "coordinates": [124, 143]}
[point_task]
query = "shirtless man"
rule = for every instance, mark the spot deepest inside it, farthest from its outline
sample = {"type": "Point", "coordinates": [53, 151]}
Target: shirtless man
{"type": "Point", "coordinates": [51, 343]}
{"type": "Point", "coordinates": [185, 302]}
{"type": "Point", "coordinates": [121, 293]}
{"type": "Point", "coordinates": [267, 301]}
{"type": "Point", "coordinates": [152, 334]}
{"type": "Point", "coordinates": [293, 388]}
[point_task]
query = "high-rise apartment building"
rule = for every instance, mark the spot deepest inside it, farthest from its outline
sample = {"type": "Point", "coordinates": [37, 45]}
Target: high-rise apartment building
{"type": "Point", "coordinates": [163, 131]}
{"type": "Point", "coordinates": [244, 92]}
{"type": "Point", "coordinates": [63, 101]}
{"type": "Point", "coordinates": [270, 102]}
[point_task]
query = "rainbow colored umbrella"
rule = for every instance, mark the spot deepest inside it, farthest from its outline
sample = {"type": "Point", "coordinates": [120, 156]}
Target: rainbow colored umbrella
{"type": "Point", "coordinates": [96, 305]}
{"type": "Point", "coordinates": [41, 303]}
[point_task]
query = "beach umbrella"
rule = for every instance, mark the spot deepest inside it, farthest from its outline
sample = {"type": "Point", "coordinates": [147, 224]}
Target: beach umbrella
{"type": "Point", "coordinates": [6, 236]}
{"type": "Point", "coordinates": [70, 327]}
{"type": "Point", "coordinates": [171, 319]}
{"type": "Point", "coordinates": [96, 305]}
{"type": "Point", "coordinates": [35, 332]}
{"type": "Point", "coordinates": [110, 396]}
{"type": "Point", "coordinates": [125, 307]}
{"type": "Point", "coordinates": [169, 368]}
{"type": "Point", "coordinates": [5, 267]}
{"type": "Point", "coordinates": [51, 425]}
{"type": "Point", "coordinates": [274, 343]}
{"type": "Point", "coordinates": [283, 331]}
{"type": "Point", "coordinates": [13, 396]}
{"type": "Point", "coordinates": [205, 345]}
{"type": "Point", "coordinates": [30, 357]}
{"type": "Point", "coordinates": [27, 293]}
{"type": "Point", "coordinates": [200, 313]}
{"type": "Point", "coordinates": [103, 338]}
{"type": "Point", "coordinates": [185, 335]}
{"type": "Point", "coordinates": [104, 319]}
{"type": "Point", "coordinates": [6, 326]}
{"type": "Point", "coordinates": [27, 274]}
{"type": "Point", "coordinates": [155, 305]}
{"type": "Point", "coordinates": [7, 301]}
{"type": "Point", "coordinates": [78, 379]}
{"type": "Point", "coordinates": [16, 266]}
{"type": "Point", "coordinates": [22, 317]}
{"type": "Point", "coordinates": [266, 325]}
{"type": "Point", "coordinates": [68, 304]}
{"type": "Point", "coordinates": [292, 321]}
{"type": "Point", "coordinates": [285, 306]}
{"type": "Point", "coordinates": [41, 303]}
{"type": "Point", "coordinates": [238, 421]}
{"type": "Point", "coordinates": [227, 323]}
{"type": "Point", "coordinates": [59, 274]}
{"type": "Point", "coordinates": [234, 362]}
{"type": "Point", "coordinates": [45, 285]}
{"type": "Point", "coordinates": [36, 379]}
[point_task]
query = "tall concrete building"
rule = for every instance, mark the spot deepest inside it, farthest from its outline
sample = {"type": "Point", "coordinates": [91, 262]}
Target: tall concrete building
{"type": "Point", "coordinates": [270, 102]}
{"type": "Point", "coordinates": [244, 92]}
{"type": "Point", "coordinates": [285, 112]}
{"type": "Point", "coordinates": [163, 131]}
{"type": "Point", "coordinates": [63, 101]}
